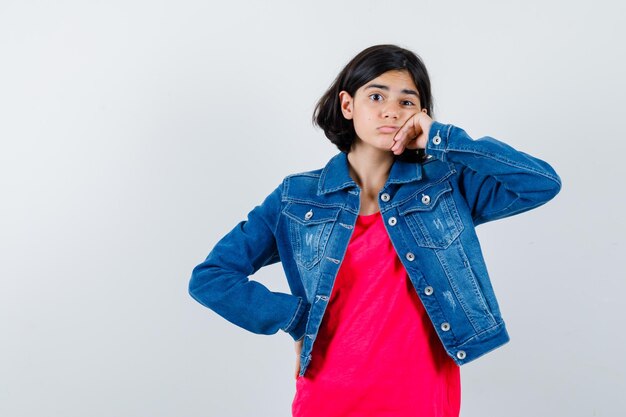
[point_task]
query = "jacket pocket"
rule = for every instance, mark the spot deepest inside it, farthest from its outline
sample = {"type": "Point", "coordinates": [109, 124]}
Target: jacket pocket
{"type": "Point", "coordinates": [309, 229]}
{"type": "Point", "coordinates": [432, 216]}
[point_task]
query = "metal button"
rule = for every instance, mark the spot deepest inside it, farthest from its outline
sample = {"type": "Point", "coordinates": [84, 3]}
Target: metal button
{"type": "Point", "coordinates": [428, 290]}
{"type": "Point", "coordinates": [385, 197]}
{"type": "Point", "coordinates": [437, 140]}
{"type": "Point", "coordinates": [426, 199]}
{"type": "Point", "coordinates": [410, 256]}
{"type": "Point", "coordinates": [392, 221]}
{"type": "Point", "coordinates": [445, 326]}
{"type": "Point", "coordinates": [460, 354]}
{"type": "Point", "coordinates": [308, 214]}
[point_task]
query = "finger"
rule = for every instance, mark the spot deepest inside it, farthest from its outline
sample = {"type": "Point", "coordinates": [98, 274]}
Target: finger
{"type": "Point", "coordinates": [400, 138]}
{"type": "Point", "coordinates": [406, 132]}
{"type": "Point", "coordinates": [411, 143]}
{"type": "Point", "coordinates": [297, 369]}
{"type": "Point", "coordinates": [404, 138]}
{"type": "Point", "coordinates": [413, 133]}
{"type": "Point", "coordinates": [397, 148]}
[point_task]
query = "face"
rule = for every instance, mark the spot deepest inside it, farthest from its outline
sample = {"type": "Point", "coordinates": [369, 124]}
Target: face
{"type": "Point", "coordinates": [380, 107]}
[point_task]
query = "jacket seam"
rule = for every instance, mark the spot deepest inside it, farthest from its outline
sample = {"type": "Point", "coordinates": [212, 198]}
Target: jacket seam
{"type": "Point", "coordinates": [505, 161]}
{"type": "Point", "coordinates": [293, 317]}
{"type": "Point", "coordinates": [479, 334]}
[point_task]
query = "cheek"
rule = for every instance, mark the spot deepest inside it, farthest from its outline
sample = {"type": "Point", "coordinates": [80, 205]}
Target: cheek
{"type": "Point", "coordinates": [411, 113]}
{"type": "Point", "coordinates": [361, 127]}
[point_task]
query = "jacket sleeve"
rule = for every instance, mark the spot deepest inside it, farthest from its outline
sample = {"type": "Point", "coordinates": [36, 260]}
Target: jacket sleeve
{"type": "Point", "coordinates": [496, 180]}
{"type": "Point", "coordinates": [221, 282]}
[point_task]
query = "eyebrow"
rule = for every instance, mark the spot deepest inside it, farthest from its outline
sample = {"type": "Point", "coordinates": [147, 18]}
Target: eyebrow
{"type": "Point", "coordinates": [384, 87]}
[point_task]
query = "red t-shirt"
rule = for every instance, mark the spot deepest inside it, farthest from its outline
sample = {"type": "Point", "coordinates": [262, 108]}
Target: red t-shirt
{"type": "Point", "coordinates": [376, 353]}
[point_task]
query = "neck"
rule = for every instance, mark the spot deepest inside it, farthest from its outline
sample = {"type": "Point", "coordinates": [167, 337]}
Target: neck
{"type": "Point", "coordinates": [369, 168]}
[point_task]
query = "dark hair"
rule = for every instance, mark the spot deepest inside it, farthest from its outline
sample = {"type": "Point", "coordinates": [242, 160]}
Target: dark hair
{"type": "Point", "coordinates": [367, 65]}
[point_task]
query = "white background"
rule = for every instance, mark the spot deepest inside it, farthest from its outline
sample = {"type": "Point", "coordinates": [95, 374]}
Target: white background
{"type": "Point", "coordinates": [134, 134]}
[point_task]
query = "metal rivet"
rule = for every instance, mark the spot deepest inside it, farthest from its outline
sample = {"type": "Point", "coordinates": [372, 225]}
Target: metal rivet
{"type": "Point", "coordinates": [385, 197]}
{"type": "Point", "coordinates": [392, 221]}
{"type": "Point", "coordinates": [428, 290]}
{"type": "Point", "coordinates": [437, 140]}
{"type": "Point", "coordinates": [410, 256]}
{"type": "Point", "coordinates": [426, 199]}
{"type": "Point", "coordinates": [460, 354]}
{"type": "Point", "coordinates": [445, 326]}
{"type": "Point", "coordinates": [308, 214]}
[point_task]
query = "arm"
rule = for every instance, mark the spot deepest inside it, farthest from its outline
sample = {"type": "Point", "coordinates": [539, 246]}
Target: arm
{"type": "Point", "coordinates": [221, 282]}
{"type": "Point", "coordinates": [497, 180]}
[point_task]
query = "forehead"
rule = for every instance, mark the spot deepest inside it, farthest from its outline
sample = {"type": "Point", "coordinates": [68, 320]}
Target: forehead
{"type": "Point", "coordinates": [395, 80]}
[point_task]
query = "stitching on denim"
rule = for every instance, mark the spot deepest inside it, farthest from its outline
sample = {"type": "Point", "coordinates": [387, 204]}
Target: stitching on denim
{"type": "Point", "coordinates": [285, 189]}
{"type": "Point", "coordinates": [499, 158]}
{"type": "Point", "coordinates": [323, 176]}
{"type": "Point", "coordinates": [419, 190]}
{"type": "Point", "coordinates": [275, 229]}
{"type": "Point", "coordinates": [322, 234]}
{"type": "Point", "coordinates": [448, 135]}
{"type": "Point", "coordinates": [339, 187]}
{"type": "Point", "coordinates": [433, 199]}
{"type": "Point", "coordinates": [327, 219]}
{"type": "Point", "coordinates": [313, 203]}
{"type": "Point", "coordinates": [495, 212]}
{"type": "Point", "coordinates": [287, 328]}
{"type": "Point", "coordinates": [417, 177]}
{"type": "Point", "coordinates": [446, 268]}
{"type": "Point", "coordinates": [315, 326]}
{"type": "Point", "coordinates": [493, 329]}
{"type": "Point", "coordinates": [440, 240]}
{"type": "Point", "coordinates": [310, 174]}
{"type": "Point", "coordinates": [476, 287]}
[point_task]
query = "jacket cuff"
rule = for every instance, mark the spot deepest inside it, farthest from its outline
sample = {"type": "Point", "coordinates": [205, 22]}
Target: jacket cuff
{"type": "Point", "coordinates": [438, 137]}
{"type": "Point", "coordinates": [297, 326]}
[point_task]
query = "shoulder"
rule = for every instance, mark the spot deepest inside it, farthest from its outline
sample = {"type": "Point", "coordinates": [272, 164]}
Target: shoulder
{"type": "Point", "coordinates": [305, 184]}
{"type": "Point", "coordinates": [315, 173]}
{"type": "Point", "coordinates": [301, 185]}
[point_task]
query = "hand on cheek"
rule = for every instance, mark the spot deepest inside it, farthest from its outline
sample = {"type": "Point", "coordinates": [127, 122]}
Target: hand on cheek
{"type": "Point", "coordinates": [413, 134]}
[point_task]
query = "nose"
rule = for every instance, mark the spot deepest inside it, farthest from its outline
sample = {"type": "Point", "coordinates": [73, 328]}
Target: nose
{"type": "Point", "coordinates": [391, 111]}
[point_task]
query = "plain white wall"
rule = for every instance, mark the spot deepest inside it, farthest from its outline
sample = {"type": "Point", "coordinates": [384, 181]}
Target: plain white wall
{"type": "Point", "coordinates": [134, 134]}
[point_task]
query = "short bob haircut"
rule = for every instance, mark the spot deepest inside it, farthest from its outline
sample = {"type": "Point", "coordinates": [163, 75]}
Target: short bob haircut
{"type": "Point", "coordinates": [367, 65]}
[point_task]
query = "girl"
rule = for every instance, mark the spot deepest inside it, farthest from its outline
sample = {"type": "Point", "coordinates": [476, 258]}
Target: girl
{"type": "Point", "coordinates": [390, 293]}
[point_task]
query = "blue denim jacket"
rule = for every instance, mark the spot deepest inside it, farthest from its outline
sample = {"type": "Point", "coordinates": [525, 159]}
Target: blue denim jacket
{"type": "Point", "coordinates": [430, 211]}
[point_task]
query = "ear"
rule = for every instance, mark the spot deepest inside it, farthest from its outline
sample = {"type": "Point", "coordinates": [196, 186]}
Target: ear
{"type": "Point", "coordinates": [347, 103]}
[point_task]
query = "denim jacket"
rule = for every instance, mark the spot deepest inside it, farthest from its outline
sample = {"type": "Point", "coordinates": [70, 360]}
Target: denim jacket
{"type": "Point", "coordinates": [430, 210]}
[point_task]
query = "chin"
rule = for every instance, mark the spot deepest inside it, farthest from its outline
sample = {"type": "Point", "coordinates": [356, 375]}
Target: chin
{"type": "Point", "coordinates": [379, 142]}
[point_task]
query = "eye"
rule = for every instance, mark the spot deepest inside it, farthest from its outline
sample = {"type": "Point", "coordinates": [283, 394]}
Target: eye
{"type": "Point", "coordinates": [407, 103]}
{"type": "Point", "coordinates": [375, 97]}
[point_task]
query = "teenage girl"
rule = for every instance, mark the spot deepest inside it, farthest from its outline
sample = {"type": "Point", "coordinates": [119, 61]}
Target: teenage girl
{"type": "Point", "coordinates": [390, 293]}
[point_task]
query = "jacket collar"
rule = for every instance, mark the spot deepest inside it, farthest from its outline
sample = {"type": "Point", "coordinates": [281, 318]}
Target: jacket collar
{"type": "Point", "coordinates": [336, 174]}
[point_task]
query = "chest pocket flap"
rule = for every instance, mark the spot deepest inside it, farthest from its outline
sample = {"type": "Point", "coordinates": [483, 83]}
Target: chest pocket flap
{"type": "Point", "coordinates": [432, 216]}
{"type": "Point", "coordinates": [309, 228]}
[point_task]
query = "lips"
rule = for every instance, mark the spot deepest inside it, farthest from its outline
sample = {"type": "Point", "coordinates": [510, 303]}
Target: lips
{"type": "Point", "coordinates": [388, 129]}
